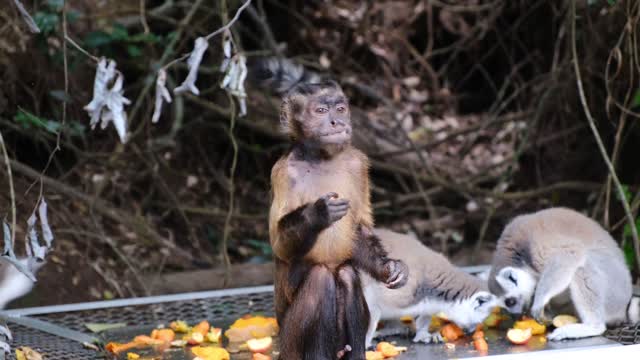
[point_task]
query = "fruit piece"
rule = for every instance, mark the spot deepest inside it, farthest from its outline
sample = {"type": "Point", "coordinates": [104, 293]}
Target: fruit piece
{"type": "Point", "coordinates": [387, 349]}
{"type": "Point", "coordinates": [210, 353]}
{"type": "Point", "coordinates": [450, 346]}
{"type": "Point", "coordinates": [116, 348]}
{"type": "Point", "coordinates": [202, 328]}
{"type": "Point", "coordinates": [259, 356]}
{"type": "Point", "coordinates": [519, 336]}
{"type": "Point", "coordinates": [214, 335]}
{"type": "Point", "coordinates": [250, 327]}
{"type": "Point", "coordinates": [563, 320]}
{"type": "Point", "coordinates": [166, 335]}
{"type": "Point", "coordinates": [536, 328]}
{"type": "Point", "coordinates": [179, 326]}
{"type": "Point", "coordinates": [178, 343]}
{"type": "Point", "coordinates": [373, 355]}
{"type": "Point", "coordinates": [451, 332]}
{"type": "Point", "coordinates": [194, 338]}
{"type": "Point", "coordinates": [478, 334]}
{"type": "Point", "coordinates": [261, 345]}
{"type": "Point", "coordinates": [132, 356]}
{"type": "Point", "coordinates": [493, 320]}
{"type": "Point", "coordinates": [481, 345]}
{"type": "Point", "coordinates": [146, 340]}
{"type": "Point", "coordinates": [496, 310]}
{"type": "Point", "coordinates": [408, 320]}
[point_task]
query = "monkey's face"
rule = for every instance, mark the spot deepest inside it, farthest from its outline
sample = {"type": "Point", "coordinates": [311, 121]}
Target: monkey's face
{"type": "Point", "coordinates": [327, 119]}
{"type": "Point", "coordinates": [470, 312]}
{"type": "Point", "coordinates": [518, 287]}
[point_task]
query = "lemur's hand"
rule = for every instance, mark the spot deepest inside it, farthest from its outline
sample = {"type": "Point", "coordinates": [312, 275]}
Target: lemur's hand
{"type": "Point", "coordinates": [398, 274]}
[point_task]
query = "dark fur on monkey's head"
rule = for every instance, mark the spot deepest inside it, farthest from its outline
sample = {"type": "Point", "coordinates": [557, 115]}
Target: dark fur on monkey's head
{"type": "Point", "coordinates": [316, 112]}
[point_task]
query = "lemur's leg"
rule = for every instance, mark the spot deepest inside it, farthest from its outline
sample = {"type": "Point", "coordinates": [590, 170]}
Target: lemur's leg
{"type": "Point", "coordinates": [422, 331]}
{"type": "Point", "coordinates": [588, 293]}
{"type": "Point", "coordinates": [374, 317]}
{"type": "Point", "coordinates": [555, 278]}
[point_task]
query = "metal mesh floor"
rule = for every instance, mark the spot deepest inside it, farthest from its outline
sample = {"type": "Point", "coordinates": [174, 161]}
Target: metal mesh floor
{"type": "Point", "coordinates": [218, 308]}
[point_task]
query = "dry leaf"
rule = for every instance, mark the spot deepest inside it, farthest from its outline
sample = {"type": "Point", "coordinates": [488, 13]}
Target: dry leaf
{"type": "Point", "coordinates": [107, 104]}
{"type": "Point", "coordinates": [189, 84]}
{"type": "Point", "coordinates": [161, 94]}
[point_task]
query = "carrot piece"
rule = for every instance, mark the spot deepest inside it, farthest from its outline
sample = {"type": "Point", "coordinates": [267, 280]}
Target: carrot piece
{"type": "Point", "coordinates": [165, 335]}
{"type": "Point", "coordinates": [481, 345]}
{"type": "Point", "coordinates": [451, 332]}
{"type": "Point", "coordinates": [202, 328]}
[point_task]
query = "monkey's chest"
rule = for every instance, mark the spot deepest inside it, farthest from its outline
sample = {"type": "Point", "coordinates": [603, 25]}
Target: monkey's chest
{"type": "Point", "coordinates": [335, 243]}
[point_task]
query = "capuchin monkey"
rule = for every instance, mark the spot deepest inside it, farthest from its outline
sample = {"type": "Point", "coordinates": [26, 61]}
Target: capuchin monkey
{"type": "Point", "coordinates": [320, 224]}
{"type": "Point", "coordinates": [561, 258]}
{"type": "Point", "coordinates": [434, 286]}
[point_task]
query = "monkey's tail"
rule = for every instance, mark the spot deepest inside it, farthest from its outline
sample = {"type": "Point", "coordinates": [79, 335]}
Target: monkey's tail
{"type": "Point", "coordinates": [279, 74]}
{"type": "Point", "coordinates": [634, 310]}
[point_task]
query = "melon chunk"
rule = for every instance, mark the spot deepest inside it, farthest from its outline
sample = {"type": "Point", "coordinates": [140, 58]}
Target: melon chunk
{"type": "Point", "coordinates": [519, 336]}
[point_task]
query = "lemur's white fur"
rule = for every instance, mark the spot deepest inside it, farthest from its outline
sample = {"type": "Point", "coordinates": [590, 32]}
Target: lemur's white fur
{"type": "Point", "coordinates": [434, 286]}
{"type": "Point", "coordinates": [562, 259]}
{"type": "Point", "coordinates": [13, 283]}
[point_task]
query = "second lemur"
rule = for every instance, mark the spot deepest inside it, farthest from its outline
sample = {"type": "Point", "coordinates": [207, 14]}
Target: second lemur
{"type": "Point", "coordinates": [560, 258]}
{"type": "Point", "coordinates": [434, 286]}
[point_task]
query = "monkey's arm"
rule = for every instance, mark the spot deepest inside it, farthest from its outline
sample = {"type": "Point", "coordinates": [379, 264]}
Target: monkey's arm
{"type": "Point", "coordinates": [370, 256]}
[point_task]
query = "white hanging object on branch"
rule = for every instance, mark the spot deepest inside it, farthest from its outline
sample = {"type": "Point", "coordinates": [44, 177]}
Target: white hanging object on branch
{"type": "Point", "coordinates": [235, 69]}
{"type": "Point", "coordinates": [161, 94]}
{"type": "Point", "coordinates": [189, 84]}
{"type": "Point", "coordinates": [108, 104]}
{"type": "Point", "coordinates": [35, 252]}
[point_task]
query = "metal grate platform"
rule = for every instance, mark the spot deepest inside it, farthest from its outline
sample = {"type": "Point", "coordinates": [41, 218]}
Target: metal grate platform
{"type": "Point", "coordinates": [30, 326]}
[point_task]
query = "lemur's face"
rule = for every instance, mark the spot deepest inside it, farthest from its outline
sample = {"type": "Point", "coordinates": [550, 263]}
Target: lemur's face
{"type": "Point", "coordinates": [518, 287]}
{"type": "Point", "coordinates": [470, 312]}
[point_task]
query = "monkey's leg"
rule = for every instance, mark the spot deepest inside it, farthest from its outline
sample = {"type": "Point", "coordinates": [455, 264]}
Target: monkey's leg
{"type": "Point", "coordinates": [555, 278]}
{"type": "Point", "coordinates": [355, 312]}
{"type": "Point", "coordinates": [309, 328]}
{"type": "Point", "coordinates": [422, 331]}
{"type": "Point", "coordinates": [588, 292]}
{"type": "Point", "coordinates": [370, 256]}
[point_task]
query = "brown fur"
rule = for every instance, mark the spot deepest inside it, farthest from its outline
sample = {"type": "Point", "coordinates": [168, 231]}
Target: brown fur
{"type": "Point", "coordinates": [296, 183]}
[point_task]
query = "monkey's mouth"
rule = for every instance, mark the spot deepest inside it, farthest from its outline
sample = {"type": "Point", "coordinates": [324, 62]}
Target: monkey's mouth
{"type": "Point", "coordinates": [345, 131]}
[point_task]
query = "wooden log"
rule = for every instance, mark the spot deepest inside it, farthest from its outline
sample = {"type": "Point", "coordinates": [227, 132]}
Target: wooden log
{"type": "Point", "coordinates": [210, 279]}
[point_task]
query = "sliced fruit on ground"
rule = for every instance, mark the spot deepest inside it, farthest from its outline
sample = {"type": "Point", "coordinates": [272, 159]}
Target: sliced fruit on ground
{"type": "Point", "coordinates": [519, 336]}
{"type": "Point", "coordinates": [261, 345]}
{"type": "Point", "coordinates": [564, 320]}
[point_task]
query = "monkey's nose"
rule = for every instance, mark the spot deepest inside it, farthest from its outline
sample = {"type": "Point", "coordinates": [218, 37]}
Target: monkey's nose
{"type": "Point", "coordinates": [510, 302]}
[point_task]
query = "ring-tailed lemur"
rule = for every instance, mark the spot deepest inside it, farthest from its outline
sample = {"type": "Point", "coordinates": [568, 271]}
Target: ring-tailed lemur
{"type": "Point", "coordinates": [561, 258]}
{"type": "Point", "coordinates": [434, 286]}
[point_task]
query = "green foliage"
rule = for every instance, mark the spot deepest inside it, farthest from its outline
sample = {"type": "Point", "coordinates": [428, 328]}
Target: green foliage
{"type": "Point", "coordinates": [263, 247]}
{"type": "Point", "coordinates": [47, 21]}
{"type": "Point", "coordinates": [28, 120]}
{"type": "Point", "coordinates": [636, 99]}
{"type": "Point", "coordinates": [106, 41]}
{"type": "Point", "coordinates": [627, 243]}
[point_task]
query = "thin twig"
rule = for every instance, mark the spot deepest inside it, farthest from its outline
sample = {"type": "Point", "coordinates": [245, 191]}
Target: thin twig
{"type": "Point", "coordinates": [234, 161]}
{"type": "Point", "coordinates": [79, 48]}
{"type": "Point", "coordinates": [143, 17]}
{"type": "Point", "coordinates": [596, 134]}
{"type": "Point", "coordinates": [11, 190]}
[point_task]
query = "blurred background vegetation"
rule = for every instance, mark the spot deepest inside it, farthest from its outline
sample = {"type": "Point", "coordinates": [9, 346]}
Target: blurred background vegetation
{"type": "Point", "coordinates": [468, 109]}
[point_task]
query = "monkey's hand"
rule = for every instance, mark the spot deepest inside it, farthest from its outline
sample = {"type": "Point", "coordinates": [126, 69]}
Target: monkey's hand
{"type": "Point", "coordinates": [398, 274]}
{"type": "Point", "coordinates": [329, 209]}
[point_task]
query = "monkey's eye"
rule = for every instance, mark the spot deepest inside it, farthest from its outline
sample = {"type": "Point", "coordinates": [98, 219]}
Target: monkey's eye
{"type": "Point", "coordinates": [321, 110]}
{"type": "Point", "coordinates": [341, 109]}
{"type": "Point", "coordinates": [513, 279]}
